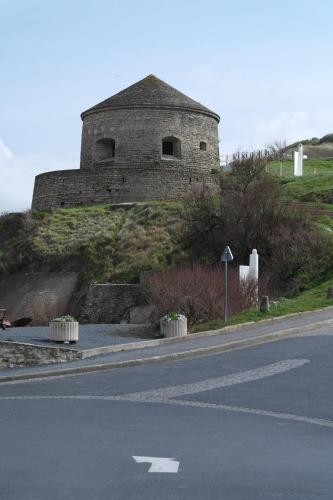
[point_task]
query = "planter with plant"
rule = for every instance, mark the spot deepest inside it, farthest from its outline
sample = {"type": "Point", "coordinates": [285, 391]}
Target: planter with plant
{"type": "Point", "coordinates": [64, 329]}
{"type": "Point", "coordinates": [173, 325]}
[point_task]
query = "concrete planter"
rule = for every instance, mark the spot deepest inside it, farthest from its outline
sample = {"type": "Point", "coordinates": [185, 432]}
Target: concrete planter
{"type": "Point", "coordinates": [64, 331]}
{"type": "Point", "coordinates": [173, 328]}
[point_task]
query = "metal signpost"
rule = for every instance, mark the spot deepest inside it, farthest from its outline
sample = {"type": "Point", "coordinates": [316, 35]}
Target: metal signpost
{"type": "Point", "coordinates": [226, 257]}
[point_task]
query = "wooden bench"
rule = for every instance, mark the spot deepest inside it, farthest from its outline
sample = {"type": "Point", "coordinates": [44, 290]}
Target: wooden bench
{"type": "Point", "coordinates": [2, 317]}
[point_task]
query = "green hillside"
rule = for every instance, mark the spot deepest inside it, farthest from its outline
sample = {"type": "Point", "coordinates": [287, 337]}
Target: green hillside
{"type": "Point", "coordinates": [316, 184]}
{"type": "Point", "coordinates": [99, 242]}
{"type": "Point", "coordinates": [315, 147]}
{"type": "Point", "coordinates": [104, 244]}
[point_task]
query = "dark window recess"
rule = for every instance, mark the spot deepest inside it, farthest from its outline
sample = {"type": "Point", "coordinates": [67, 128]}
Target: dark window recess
{"type": "Point", "coordinates": [171, 147]}
{"type": "Point", "coordinates": [190, 181]}
{"type": "Point", "coordinates": [203, 146]}
{"type": "Point", "coordinates": [108, 190]}
{"type": "Point", "coordinates": [167, 148]}
{"type": "Point", "coordinates": [105, 149]}
{"type": "Point", "coordinates": [124, 180]}
{"type": "Point", "coordinates": [62, 203]}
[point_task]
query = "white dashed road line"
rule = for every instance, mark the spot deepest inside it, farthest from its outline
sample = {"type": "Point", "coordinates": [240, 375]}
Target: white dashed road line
{"type": "Point", "coordinates": [165, 395]}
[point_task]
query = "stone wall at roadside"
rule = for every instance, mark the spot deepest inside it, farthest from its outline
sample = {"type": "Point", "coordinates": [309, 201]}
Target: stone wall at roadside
{"type": "Point", "coordinates": [111, 303]}
{"type": "Point", "coordinates": [14, 354]}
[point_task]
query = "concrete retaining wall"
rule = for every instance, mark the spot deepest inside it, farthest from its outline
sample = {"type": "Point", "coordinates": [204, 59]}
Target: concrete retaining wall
{"type": "Point", "coordinates": [41, 296]}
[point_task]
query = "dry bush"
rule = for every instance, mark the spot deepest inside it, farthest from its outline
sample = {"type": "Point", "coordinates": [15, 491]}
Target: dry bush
{"type": "Point", "coordinates": [198, 292]}
{"type": "Point", "coordinates": [251, 211]}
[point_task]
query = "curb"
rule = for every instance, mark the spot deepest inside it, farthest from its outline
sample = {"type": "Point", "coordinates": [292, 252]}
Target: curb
{"type": "Point", "coordinates": [132, 346]}
{"type": "Point", "coordinates": [230, 346]}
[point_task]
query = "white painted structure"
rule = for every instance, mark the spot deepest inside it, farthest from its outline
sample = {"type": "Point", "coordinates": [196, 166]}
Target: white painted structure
{"type": "Point", "coordinates": [298, 161]}
{"type": "Point", "coordinates": [252, 270]}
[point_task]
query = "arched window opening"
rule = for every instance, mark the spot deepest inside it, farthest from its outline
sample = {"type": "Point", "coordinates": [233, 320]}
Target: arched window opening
{"type": "Point", "coordinates": [171, 147]}
{"type": "Point", "coordinates": [105, 149]}
{"type": "Point", "coordinates": [203, 146]}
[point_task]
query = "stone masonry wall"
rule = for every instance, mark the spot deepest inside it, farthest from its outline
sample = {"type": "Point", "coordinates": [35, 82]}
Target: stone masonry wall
{"type": "Point", "coordinates": [138, 134]}
{"type": "Point", "coordinates": [138, 171]}
{"type": "Point", "coordinates": [14, 354]}
{"type": "Point", "coordinates": [111, 303]}
{"type": "Point", "coordinates": [165, 180]}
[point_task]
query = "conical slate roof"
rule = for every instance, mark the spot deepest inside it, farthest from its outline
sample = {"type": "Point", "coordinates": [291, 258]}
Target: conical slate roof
{"type": "Point", "coordinates": [151, 92]}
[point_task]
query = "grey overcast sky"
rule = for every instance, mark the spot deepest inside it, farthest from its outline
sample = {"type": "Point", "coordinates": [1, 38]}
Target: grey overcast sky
{"type": "Point", "coordinates": [264, 66]}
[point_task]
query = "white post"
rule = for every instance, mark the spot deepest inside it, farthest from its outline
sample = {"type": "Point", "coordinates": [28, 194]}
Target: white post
{"type": "Point", "coordinates": [295, 163]}
{"type": "Point", "coordinates": [300, 160]}
{"type": "Point", "coordinates": [254, 265]}
{"type": "Point", "coordinates": [254, 270]}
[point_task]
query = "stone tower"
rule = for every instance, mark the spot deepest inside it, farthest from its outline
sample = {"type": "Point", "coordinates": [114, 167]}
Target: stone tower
{"type": "Point", "coordinates": [147, 142]}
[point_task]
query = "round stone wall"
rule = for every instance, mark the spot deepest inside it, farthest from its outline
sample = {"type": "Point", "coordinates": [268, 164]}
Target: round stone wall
{"type": "Point", "coordinates": [69, 188]}
{"type": "Point", "coordinates": [133, 137]}
{"type": "Point", "coordinates": [148, 142]}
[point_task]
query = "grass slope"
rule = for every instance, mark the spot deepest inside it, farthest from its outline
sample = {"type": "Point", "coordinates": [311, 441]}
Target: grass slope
{"type": "Point", "coordinates": [312, 299]}
{"type": "Point", "coordinates": [105, 244]}
{"type": "Point", "coordinates": [99, 242]}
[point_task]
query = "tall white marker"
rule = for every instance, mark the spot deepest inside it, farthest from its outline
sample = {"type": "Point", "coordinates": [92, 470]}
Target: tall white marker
{"type": "Point", "coordinates": [298, 161]}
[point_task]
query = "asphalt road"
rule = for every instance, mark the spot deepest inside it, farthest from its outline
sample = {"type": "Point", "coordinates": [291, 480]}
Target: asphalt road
{"type": "Point", "coordinates": [255, 423]}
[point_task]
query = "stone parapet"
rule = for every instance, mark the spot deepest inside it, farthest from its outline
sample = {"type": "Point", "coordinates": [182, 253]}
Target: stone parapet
{"type": "Point", "coordinates": [162, 181]}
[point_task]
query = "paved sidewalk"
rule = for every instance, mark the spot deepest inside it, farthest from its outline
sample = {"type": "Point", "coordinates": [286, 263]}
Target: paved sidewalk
{"type": "Point", "coordinates": [91, 336]}
{"type": "Point", "coordinates": [192, 345]}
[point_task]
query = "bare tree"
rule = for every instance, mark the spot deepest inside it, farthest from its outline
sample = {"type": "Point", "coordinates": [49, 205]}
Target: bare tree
{"type": "Point", "coordinates": [277, 151]}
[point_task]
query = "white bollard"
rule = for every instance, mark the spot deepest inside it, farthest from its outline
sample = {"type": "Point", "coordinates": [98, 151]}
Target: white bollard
{"type": "Point", "coordinates": [254, 265]}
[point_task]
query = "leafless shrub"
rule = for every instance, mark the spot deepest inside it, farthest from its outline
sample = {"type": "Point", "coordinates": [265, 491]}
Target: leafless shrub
{"type": "Point", "coordinates": [252, 211]}
{"type": "Point", "coordinates": [198, 292]}
{"type": "Point", "coordinates": [278, 149]}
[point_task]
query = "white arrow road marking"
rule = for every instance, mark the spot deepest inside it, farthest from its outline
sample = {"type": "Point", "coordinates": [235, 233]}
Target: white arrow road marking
{"type": "Point", "coordinates": [159, 464]}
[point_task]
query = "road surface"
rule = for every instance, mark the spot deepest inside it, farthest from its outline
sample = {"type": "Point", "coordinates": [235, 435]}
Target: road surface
{"type": "Point", "coordinates": [254, 423]}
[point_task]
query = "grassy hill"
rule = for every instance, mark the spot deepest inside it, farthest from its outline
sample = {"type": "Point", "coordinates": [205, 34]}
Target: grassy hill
{"type": "Point", "coordinates": [103, 244]}
{"type": "Point", "coordinates": [315, 147]}
{"type": "Point", "coordinates": [316, 184]}
{"type": "Point", "coordinates": [99, 242]}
